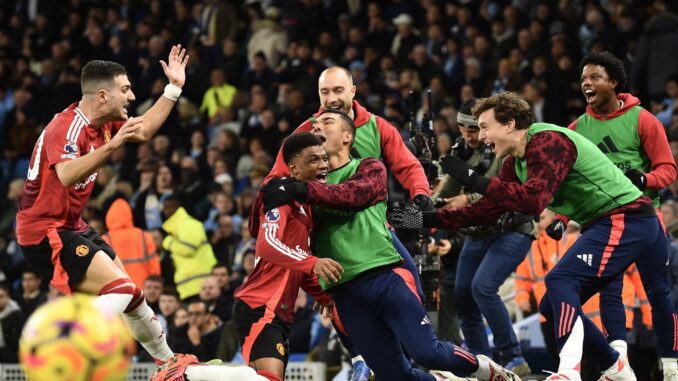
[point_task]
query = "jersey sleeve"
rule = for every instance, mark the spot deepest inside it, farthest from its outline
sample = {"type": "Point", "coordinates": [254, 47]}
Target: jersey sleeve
{"type": "Point", "coordinates": [311, 285]}
{"type": "Point", "coordinates": [656, 147]}
{"type": "Point", "coordinates": [61, 140]}
{"type": "Point", "coordinates": [366, 187]}
{"type": "Point", "coordinates": [274, 244]}
{"type": "Point", "coordinates": [404, 165]}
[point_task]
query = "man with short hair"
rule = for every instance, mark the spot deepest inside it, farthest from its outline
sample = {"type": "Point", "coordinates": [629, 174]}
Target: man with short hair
{"type": "Point", "coordinates": [375, 138]}
{"type": "Point", "coordinates": [547, 165]}
{"type": "Point", "coordinates": [376, 299]}
{"type": "Point", "coordinates": [201, 335]}
{"type": "Point", "coordinates": [264, 306]}
{"type": "Point", "coordinates": [52, 234]}
{"type": "Point", "coordinates": [33, 295]}
{"type": "Point", "coordinates": [152, 290]}
{"type": "Point", "coordinates": [217, 303]}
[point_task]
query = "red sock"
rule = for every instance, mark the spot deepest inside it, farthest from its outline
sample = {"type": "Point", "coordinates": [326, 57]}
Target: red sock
{"type": "Point", "coordinates": [270, 375]}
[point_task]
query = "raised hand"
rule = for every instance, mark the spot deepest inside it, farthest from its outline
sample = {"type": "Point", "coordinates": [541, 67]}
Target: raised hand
{"type": "Point", "coordinates": [175, 67]}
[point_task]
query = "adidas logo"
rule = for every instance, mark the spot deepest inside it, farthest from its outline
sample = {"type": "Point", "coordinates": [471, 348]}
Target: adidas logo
{"type": "Point", "coordinates": [607, 145]}
{"type": "Point", "coordinates": [587, 258]}
{"type": "Point", "coordinates": [425, 321]}
{"type": "Point", "coordinates": [470, 172]}
{"type": "Point", "coordinates": [282, 188]}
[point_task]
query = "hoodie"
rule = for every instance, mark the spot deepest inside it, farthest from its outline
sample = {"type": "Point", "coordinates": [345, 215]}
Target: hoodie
{"type": "Point", "coordinates": [134, 246]}
{"type": "Point", "coordinates": [653, 139]}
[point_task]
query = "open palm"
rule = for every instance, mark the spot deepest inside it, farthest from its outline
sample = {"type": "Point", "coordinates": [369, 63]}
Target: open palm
{"type": "Point", "coordinates": [175, 68]}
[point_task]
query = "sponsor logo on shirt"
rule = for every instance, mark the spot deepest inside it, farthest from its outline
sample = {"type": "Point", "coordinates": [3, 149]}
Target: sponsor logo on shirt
{"type": "Point", "coordinates": [82, 185]}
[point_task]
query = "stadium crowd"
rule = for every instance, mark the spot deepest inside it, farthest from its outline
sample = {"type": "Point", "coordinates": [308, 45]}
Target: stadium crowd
{"type": "Point", "coordinates": [251, 80]}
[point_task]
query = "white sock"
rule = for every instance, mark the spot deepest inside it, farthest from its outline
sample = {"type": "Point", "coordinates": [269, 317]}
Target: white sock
{"type": "Point", "coordinates": [221, 372]}
{"type": "Point", "coordinates": [356, 359]}
{"type": "Point", "coordinates": [113, 304]}
{"type": "Point", "coordinates": [669, 364]}
{"type": "Point", "coordinates": [621, 347]}
{"type": "Point", "coordinates": [146, 329]}
{"type": "Point", "coordinates": [483, 372]}
{"type": "Point", "coordinates": [570, 355]}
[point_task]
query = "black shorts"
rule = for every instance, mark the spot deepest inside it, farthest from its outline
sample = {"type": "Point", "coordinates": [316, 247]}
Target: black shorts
{"type": "Point", "coordinates": [260, 337]}
{"type": "Point", "coordinates": [65, 260]}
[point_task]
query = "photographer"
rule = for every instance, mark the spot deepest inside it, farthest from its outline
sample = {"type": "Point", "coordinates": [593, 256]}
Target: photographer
{"type": "Point", "coordinates": [489, 254]}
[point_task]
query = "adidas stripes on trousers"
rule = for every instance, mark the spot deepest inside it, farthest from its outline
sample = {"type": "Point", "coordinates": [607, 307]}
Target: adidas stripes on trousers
{"type": "Point", "coordinates": [603, 251]}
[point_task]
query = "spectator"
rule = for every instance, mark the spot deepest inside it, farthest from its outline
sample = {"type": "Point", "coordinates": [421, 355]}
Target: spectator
{"type": "Point", "coordinates": [217, 303]}
{"type": "Point", "coordinates": [201, 335]}
{"type": "Point", "coordinates": [152, 288]}
{"type": "Point", "coordinates": [187, 244]}
{"type": "Point", "coordinates": [169, 304]}
{"type": "Point", "coordinates": [32, 295]}
{"type": "Point", "coordinates": [220, 94]}
{"type": "Point", "coordinates": [10, 324]}
{"type": "Point", "coordinates": [135, 247]}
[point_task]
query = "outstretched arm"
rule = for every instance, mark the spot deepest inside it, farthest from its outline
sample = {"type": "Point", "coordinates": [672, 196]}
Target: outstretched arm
{"type": "Point", "coordinates": [175, 70]}
{"type": "Point", "coordinates": [365, 188]}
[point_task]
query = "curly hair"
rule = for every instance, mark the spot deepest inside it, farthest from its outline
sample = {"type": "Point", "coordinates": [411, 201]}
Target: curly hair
{"type": "Point", "coordinates": [613, 66]}
{"type": "Point", "coordinates": [507, 106]}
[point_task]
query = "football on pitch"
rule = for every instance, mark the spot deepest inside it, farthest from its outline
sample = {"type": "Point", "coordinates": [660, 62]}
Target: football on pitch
{"type": "Point", "coordinates": [71, 339]}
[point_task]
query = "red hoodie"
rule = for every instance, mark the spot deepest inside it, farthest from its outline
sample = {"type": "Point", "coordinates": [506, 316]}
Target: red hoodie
{"type": "Point", "coordinates": [653, 138]}
{"type": "Point", "coordinates": [398, 158]}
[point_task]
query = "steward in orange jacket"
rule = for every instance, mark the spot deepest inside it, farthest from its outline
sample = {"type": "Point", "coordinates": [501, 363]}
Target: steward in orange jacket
{"type": "Point", "coordinates": [134, 246]}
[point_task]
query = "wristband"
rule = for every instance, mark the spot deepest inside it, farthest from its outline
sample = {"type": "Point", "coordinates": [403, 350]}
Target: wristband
{"type": "Point", "coordinates": [172, 92]}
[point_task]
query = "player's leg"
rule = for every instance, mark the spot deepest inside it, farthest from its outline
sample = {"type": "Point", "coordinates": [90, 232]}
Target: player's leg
{"type": "Point", "coordinates": [359, 369]}
{"type": "Point", "coordinates": [406, 317]}
{"type": "Point", "coordinates": [470, 319]}
{"type": "Point", "coordinates": [652, 265]}
{"type": "Point", "coordinates": [360, 308]}
{"type": "Point", "coordinates": [263, 339]}
{"type": "Point", "coordinates": [408, 263]}
{"type": "Point", "coordinates": [502, 257]}
{"type": "Point", "coordinates": [613, 315]}
{"type": "Point", "coordinates": [117, 293]}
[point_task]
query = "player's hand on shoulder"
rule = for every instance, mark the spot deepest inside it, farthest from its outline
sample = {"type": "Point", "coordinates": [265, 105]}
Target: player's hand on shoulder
{"type": "Point", "coordinates": [126, 131]}
{"type": "Point", "coordinates": [280, 191]}
{"type": "Point", "coordinates": [328, 269]}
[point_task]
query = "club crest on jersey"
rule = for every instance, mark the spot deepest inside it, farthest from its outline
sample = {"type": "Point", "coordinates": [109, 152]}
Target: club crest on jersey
{"type": "Point", "coordinates": [81, 250]}
{"type": "Point", "coordinates": [107, 136]}
{"type": "Point", "coordinates": [280, 348]}
{"type": "Point", "coordinates": [273, 215]}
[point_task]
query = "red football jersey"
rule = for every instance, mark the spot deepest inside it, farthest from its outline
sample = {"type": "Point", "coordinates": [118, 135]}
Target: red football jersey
{"type": "Point", "coordinates": [283, 262]}
{"type": "Point", "coordinates": [46, 203]}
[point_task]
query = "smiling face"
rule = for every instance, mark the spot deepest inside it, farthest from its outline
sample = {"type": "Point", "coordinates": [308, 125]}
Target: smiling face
{"type": "Point", "coordinates": [310, 164]}
{"type": "Point", "coordinates": [336, 90]}
{"type": "Point", "coordinates": [496, 134]}
{"type": "Point", "coordinates": [597, 86]}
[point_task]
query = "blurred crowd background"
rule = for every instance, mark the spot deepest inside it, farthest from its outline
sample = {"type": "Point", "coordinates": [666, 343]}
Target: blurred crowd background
{"type": "Point", "coordinates": [252, 79]}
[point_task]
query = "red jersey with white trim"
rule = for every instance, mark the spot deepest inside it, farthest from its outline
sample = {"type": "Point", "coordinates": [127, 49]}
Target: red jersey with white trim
{"type": "Point", "coordinates": [283, 262]}
{"type": "Point", "coordinates": [46, 203]}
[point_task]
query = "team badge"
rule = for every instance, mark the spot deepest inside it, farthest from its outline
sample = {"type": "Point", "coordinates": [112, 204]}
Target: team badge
{"type": "Point", "coordinates": [81, 250]}
{"type": "Point", "coordinates": [273, 215]}
{"type": "Point", "coordinates": [71, 148]}
{"type": "Point", "coordinates": [280, 348]}
{"type": "Point", "coordinates": [107, 136]}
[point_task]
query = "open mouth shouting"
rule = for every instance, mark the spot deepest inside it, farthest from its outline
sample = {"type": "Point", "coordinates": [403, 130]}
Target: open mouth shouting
{"type": "Point", "coordinates": [322, 177]}
{"type": "Point", "coordinates": [590, 95]}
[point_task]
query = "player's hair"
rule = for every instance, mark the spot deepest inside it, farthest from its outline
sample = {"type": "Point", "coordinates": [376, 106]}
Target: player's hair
{"type": "Point", "coordinates": [347, 121]}
{"type": "Point", "coordinates": [613, 66]}
{"type": "Point", "coordinates": [96, 72]}
{"type": "Point", "coordinates": [339, 68]}
{"type": "Point", "coordinates": [507, 106]}
{"type": "Point", "coordinates": [296, 143]}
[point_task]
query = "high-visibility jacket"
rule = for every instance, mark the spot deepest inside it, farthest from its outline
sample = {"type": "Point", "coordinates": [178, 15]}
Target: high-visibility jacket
{"type": "Point", "coordinates": [544, 255]}
{"type": "Point", "coordinates": [191, 252]}
{"type": "Point", "coordinates": [135, 247]}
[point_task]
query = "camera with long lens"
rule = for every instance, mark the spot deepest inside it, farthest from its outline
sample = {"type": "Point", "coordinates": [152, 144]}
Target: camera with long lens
{"type": "Point", "coordinates": [422, 139]}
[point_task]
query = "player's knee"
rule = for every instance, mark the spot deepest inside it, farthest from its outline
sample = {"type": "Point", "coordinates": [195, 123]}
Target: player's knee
{"type": "Point", "coordinates": [554, 279]}
{"type": "Point", "coordinates": [124, 286]}
{"type": "Point", "coordinates": [482, 289]}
